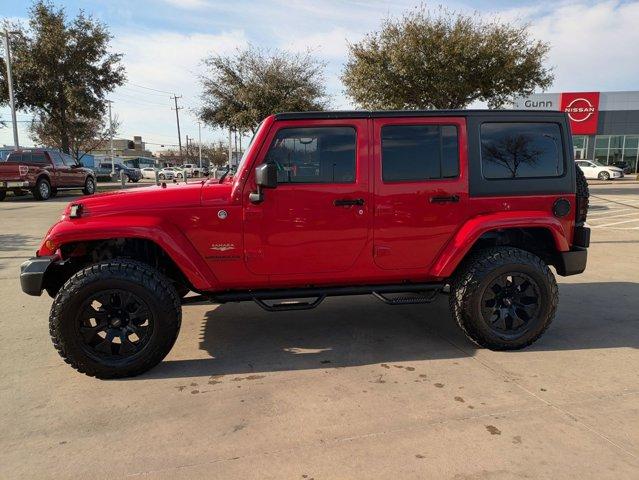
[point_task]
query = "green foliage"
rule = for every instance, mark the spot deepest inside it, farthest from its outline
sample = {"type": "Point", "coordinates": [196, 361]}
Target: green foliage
{"type": "Point", "coordinates": [444, 60]}
{"type": "Point", "coordinates": [62, 72]}
{"type": "Point", "coordinates": [240, 90]}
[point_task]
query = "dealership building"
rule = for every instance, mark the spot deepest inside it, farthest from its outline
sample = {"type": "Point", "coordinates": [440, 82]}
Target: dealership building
{"type": "Point", "coordinates": [605, 125]}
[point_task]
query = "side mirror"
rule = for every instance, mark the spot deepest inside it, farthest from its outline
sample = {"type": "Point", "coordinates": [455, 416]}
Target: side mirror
{"type": "Point", "coordinates": [265, 177]}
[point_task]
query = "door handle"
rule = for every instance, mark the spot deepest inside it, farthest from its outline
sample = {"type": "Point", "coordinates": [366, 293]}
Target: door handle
{"type": "Point", "coordinates": [345, 202]}
{"type": "Point", "coordinates": [451, 198]}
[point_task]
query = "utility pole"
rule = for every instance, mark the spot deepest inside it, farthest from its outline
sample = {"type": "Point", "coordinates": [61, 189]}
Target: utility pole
{"type": "Point", "coordinates": [177, 118]}
{"type": "Point", "coordinates": [12, 103]}
{"type": "Point", "coordinates": [230, 147]}
{"type": "Point", "coordinates": [199, 143]}
{"type": "Point", "coordinates": [111, 139]}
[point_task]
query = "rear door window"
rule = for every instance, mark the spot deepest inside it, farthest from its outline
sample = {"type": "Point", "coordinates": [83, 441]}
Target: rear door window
{"type": "Point", "coordinates": [521, 150]}
{"type": "Point", "coordinates": [419, 152]}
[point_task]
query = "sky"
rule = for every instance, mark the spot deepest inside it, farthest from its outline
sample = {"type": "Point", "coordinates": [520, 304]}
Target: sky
{"type": "Point", "coordinates": [594, 47]}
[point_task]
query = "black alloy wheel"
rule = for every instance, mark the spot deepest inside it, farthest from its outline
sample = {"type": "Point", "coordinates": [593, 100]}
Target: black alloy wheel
{"type": "Point", "coordinates": [114, 324]}
{"type": "Point", "coordinates": [510, 303]}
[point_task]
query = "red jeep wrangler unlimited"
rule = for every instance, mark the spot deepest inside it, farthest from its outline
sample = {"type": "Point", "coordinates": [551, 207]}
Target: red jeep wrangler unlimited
{"type": "Point", "coordinates": [398, 204]}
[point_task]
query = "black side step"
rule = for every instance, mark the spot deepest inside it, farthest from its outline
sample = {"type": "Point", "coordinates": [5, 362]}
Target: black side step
{"type": "Point", "coordinates": [320, 293]}
{"type": "Point", "coordinates": [287, 305]}
{"type": "Point", "coordinates": [408, 299]}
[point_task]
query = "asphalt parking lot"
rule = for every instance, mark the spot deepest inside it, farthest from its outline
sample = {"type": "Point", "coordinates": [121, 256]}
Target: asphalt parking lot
{"type": "Point", "coordinates": [353, 389]}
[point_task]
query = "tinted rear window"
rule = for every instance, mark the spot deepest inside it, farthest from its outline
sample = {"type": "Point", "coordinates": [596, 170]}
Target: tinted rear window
{"type": "Point", "coordinates": [521, 150]}
{"type": "Point", "coordinates": [27, 157]}
{"type": "Point", "coordinates": [419, 152]}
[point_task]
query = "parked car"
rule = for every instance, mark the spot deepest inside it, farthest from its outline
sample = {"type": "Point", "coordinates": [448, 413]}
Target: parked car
{"type": "Point", "coordinates": [169, 173]}
{"type": "Point", "coordinates": [594, 169]}
{"type": "Point", "coordinates": [192, 170]}
{"type": "Point", "coordinates": [624, 166]}
{"type": "Point", "coordinates": [103, 172]}
{"type": "Point", "coordinates": [148, 172]}
{"type": "Point", "coordinates": [403, 205]}
{"type": "Point", "coordinates": [43, 172]}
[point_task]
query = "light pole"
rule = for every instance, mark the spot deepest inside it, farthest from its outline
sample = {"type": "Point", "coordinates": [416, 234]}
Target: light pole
{"type": "Point", "coordinates": [199, 143]}
{"type": "Point", "coordinates": [12, 103]}
{"type": "Point", "coordinates": [111, 139]}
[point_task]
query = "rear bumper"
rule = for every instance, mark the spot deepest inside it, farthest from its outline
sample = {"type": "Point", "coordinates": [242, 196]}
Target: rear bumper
{"type": "Point", "coordinates": [32, 274]}
{"type": "Point", "coordinates": [572, 262]}
{"type": "Point", "coordinates": [13, 184]}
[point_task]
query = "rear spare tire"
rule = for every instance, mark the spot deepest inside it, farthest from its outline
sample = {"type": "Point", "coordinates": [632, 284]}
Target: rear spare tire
{"type": "Point", "coordinates": [117, 318]}
{"type": "Point", "coordinates": [503, 298]}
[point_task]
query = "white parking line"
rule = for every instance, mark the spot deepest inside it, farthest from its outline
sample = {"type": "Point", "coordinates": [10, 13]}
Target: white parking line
{"type": "Point", "coordinates": [616, 223]}
{"type": "Point", "coordinates": [613, 216]}
{"type": "Point", "coordinates": [605, 213]}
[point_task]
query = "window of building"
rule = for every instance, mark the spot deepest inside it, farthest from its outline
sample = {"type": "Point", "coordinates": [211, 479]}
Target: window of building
{"type": "Point", "coordinates": [580, 146]}
{"type": "Point", "coordinates": [419, 152]}
{"type": "Point", "coordinates": [314, 155]}
{"type": "Point", "coordinates": [521, 150]}
{"type": "Point", "coordinates": [617, 149]}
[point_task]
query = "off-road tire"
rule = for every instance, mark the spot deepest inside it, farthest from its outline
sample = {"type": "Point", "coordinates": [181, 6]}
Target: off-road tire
{"type": "Point", "coordinates": [89, 186]}
{"type": "Point", "coordinates": [38, 192]}
{"type": "Point", "coordinates": [473, 278]}
{"type": "Point", "coordinates": [3, 195]}
{"type": "Point", "coordinates": [157, 292]}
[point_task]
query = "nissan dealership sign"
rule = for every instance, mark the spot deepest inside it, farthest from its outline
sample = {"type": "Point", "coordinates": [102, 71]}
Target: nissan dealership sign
{"type": "Point", "coordinates": [582, 108]}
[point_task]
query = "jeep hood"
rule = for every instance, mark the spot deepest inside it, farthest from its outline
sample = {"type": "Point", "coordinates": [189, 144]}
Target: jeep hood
{"type": "Point", "coordinates": [149, 198]}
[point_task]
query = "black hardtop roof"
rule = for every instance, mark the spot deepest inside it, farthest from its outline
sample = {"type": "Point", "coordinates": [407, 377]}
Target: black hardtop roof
{"type": "Point", "coordinates": [413, 113]}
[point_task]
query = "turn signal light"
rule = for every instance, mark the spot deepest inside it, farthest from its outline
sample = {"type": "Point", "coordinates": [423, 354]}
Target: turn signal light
{"type": "Point", "coordinates": [50, 245]}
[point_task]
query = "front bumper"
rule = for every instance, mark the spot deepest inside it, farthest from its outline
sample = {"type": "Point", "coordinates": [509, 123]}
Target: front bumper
{"type": "Point", "coordinates": [32, 274]}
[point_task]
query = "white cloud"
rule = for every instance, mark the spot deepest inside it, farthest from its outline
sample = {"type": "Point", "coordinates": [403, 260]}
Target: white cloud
{"type": "Point", "coordinates": [188, 4]}
{"type": "Point", "coordinates": [166, 61]}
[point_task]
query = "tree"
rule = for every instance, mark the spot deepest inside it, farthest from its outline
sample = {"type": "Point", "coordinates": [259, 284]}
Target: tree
{"type": "Point", "coordinates": [239, 91]}
{"type": "Point", "coordinates": [62, 72]}
{"type": "Point", "coordinates": [511, 152]}
{"type": "Point", "coordinates": [85, 134]}
{"type": "Point", "coordinates": [212, 154]}
{"type": "Point", "coordinates": [444, 60]}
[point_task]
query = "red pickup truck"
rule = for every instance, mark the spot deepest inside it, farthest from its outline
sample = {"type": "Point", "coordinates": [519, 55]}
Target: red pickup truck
{"type": "Point", "coordinates": [403, 205]}
{"type": "Point", "coordinates": [43, 172]}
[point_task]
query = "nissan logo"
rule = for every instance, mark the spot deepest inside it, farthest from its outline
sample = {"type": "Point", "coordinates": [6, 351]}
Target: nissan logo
{"type": "Point", "coordinates": [580, 110]}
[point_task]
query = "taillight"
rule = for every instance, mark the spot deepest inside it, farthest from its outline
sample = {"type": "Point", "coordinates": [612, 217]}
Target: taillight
{"type": "Point", "coordinates": [23, 169]}
{"type": "Point", "coordinates": [582, 210]}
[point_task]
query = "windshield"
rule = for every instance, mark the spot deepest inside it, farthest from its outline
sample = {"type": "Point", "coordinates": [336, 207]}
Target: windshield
{"type": "Point", "coordinates": [248, 147]}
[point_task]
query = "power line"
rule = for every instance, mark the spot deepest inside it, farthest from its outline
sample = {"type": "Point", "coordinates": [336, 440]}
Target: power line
{"type": "Point", "coordinates": [149, 88]}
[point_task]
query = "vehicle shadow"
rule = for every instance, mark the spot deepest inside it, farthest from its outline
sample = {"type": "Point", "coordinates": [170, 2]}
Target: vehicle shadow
{"type": "Point", "coordinates": [62, 197]}
{"type": "Point", "coordinates": [344, 332]}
